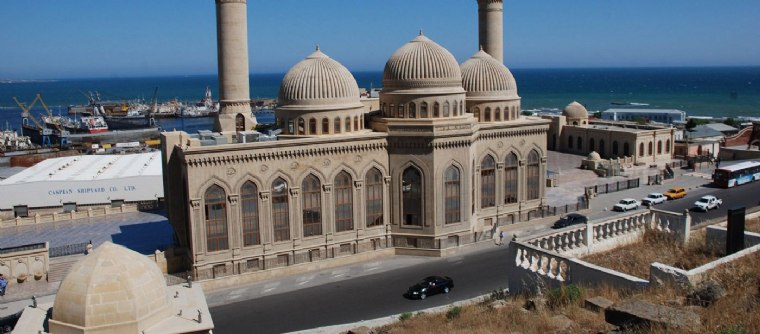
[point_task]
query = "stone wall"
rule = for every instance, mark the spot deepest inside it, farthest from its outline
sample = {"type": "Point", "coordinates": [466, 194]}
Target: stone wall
{"type": "Point", "coordinates": [40, 216]}
{"type": "Point", "coordinates": [25, 262]}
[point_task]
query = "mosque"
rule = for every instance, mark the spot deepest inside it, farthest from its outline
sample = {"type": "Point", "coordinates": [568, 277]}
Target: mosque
{"type": "Point", "coordinates": [444, 161]}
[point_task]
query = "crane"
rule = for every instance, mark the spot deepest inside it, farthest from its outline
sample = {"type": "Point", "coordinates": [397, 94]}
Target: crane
{"type": "Point", "coordinates": [43, 129]}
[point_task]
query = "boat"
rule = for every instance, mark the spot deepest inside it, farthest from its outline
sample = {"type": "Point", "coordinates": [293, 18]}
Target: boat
{"type": "Point", "coordinates": [205, 107]}
{"type": "Point", "coordinates": [84, 124]}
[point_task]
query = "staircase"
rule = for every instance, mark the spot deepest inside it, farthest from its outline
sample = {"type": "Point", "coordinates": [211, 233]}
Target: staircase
{"type": "Point", "coordinates": [59, 267]}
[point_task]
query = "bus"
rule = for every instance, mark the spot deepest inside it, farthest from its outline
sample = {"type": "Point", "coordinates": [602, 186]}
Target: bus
{"type": "Point", "coordinates": [738, 174]}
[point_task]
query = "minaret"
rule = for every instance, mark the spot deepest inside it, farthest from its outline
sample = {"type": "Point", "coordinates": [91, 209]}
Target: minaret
{"type": "Point", "coordinates": [491, 27]}
{"type": "Point", "coordinates": [232, 53]}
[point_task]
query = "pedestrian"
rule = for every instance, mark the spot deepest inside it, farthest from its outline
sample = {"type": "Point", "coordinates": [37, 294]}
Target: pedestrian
{"type": "Point", "coordinates": [501, 237]}
{"type": "Point", "coordinates": [3, 284]}
{"type": "Point", "coordinates": [717, 163]}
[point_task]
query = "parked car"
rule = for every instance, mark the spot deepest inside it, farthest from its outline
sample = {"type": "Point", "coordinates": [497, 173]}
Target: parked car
{"type": "Point", "coordinates": [653, 199]}
{"type": "Point", "coordinates": [429, 286]}
{"type": "Point", "coordinates": [708, 202]}
{"type": "Point", "coordinates": [626, 204]}
{"type": "Point", "coordinates": [675, 193]}
{"type": "Point", "coordinates": [571, 219]}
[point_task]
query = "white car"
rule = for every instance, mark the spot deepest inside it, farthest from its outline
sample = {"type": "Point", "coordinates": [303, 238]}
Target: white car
{"type": "Point", "coordinates": [626, 204]}
{"type": "Point", "coordinates": [654, 198]}
{"type": "Point", "coordinates": [707, 203]}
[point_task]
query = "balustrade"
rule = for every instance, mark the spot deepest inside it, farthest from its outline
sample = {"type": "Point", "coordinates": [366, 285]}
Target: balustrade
{"type": "Point", "coordinates": [543, 263]}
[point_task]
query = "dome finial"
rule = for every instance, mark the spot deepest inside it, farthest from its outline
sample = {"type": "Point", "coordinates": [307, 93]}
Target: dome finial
{"type": "Point", "coordinates": [481, 47]}
{"type": "Point", "coordinates": [422, 33]}
{"type": "Point", "coordinates": [317, 47]}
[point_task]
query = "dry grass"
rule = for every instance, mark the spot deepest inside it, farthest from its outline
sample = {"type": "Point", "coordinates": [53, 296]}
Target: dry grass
{"type": "Point", "coordinates": [739, 309]}
{"type": "Point", "coordinates": [752, 225]}
{"type": "Point", "coordinates": [636, 258]}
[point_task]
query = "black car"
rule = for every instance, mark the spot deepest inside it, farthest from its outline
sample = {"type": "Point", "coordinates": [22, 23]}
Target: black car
{"type": "Point", "coordinates": [429, 286]}
{"type": "Point", "coordinates": [571, 219]}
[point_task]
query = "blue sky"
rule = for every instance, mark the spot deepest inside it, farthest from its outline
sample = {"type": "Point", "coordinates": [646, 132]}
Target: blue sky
{"type": "Point", "coordinates": [88, 38]}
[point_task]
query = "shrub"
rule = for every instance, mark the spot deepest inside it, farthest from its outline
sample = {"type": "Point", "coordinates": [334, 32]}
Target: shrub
{"type": "Point", "coordinates": [453, 312]}
{"type": "Point", "coordinates": [735, 329]}
{"type": "Point", "coordinates": [498, 294]}
{"type": "Point", "coordinates": [405, 316]}
{"type": "Point", "coordinates": [564, 295]}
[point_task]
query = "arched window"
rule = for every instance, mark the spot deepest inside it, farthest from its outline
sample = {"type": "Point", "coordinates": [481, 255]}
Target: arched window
{"type": "Point", "coordinates": [641, 149]}
{"type": "Point", "coordinates": [311, 209]}
{"type": "Point", "coordinates": [514, 112]}
{"type": "Point", "coordinates": [301, 127]}
{"type": "Point", "coordinates": [336, 125]}
{"type": "Point", "coordinates": [392, 111]}
{"type": "Point", "coordinates": [602, 148]}
{"type": "Point", "coordinates": [487, 117]}
{"type": "Point", "coordinates": [325, 126]}
{"type": "Point", "coordinates": [580, 143]}
{"type": "Point", "coordinates": [591, 145]}
{"type": "Point", "coordinates": [348, 124]}
{"type": "Point", "coordinates": [446, 107]}
{"type": "Point", "coordinates": [534, 175]}
{"type": "Point", "coordinates": [456, 110]}
{"type": "Point", "coordinates": [659, 147]}
{"type": "Point", "coordinates": [615, 148]}
{"type": "Point", "coordinates": [401, 112]}
{"type": "Point", "coordinates": [510, 178]}
{"type": "Point", "coordinates": [476, 113]}
{"type": "Point", "coordinates": [291, 127]}
{"type": "Point", "coordinates": [667, 146]}
{"type": "Point", "coordinates": [436, 110]}
{"type": "Point", "coordinates": [570, 142]}
{"type": "Point", "coordinates": [575, 122]}
{"type": "Point", "coordinates": [280, 210]}
{"type": "Point", "coordinates": [344, 203]}
{"type": "Point", "coordinates": [239, 123]}
{"type": "Point", "coordinates": [453, 194]}
{"type": "Point", "coordinates": [487, 182]}
{"type": "Point", "coordinates": [650, 146]}
{"type": "Point", "coordinates": [411, 194]}
{"type": "Point", "coordinates": [373, 184]}
{"type": "Point", "coordinates": [626, 149]}
{"type": "Point", "coordinates": [249, 207]}
{"type": "Point", "coordinates": [312, 126]}
{"type": "Point", "coordinates": [461, 107]}
{"type": "Point", "coordinates": [356, 123]}
{"type": "Point", "coordinates": [424, 110]}
{"type": "Point", "coordinates": [216, 219]}
{"type": "Point", "coordinates": [497, 115]}
{"type": "Point", "coordinates": [412, 110]}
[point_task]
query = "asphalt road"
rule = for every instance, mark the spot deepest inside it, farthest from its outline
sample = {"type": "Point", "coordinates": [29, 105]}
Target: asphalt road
{"type": "Point", "coordinates": [366, 297]}
{"type": "Point", "coordinates": [378, 295]}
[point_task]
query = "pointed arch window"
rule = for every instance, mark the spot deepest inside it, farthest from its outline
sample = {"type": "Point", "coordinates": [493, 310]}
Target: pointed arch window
{"type": "Point", "coordinates": [280, 210]}
{"type": "Point", "coordinates": [424, 110]}
{"type": "Point", "coordinates": [453, 195]}
{"type": "Point", "coordinates": [301, 127]}
{"type": "Point", "coordinates": [436, 110]}
{"type": "Point", "coordinates": [239, 123]}
{"type": "Point", "coordinates": [488, 115]}
{"type": "Point", "coordinates": [216, 219]}
{"type": "Point", "coordinates": [511, 165]}
{"type": "Point", "coordinates": [374, 192]}
{"type": "Point", "coordinates": [456, 110]}
{"type": "Point", "coordinates": [641, 149]}
{"type": "Point", "coordinates": [401, 112]}
{"type": "Point", "coordinates": [650, 148]}
{"type": "Point", "coordinates": [325, 126]}
{"type": "Point", "coordinates": [348, 124]}
{"type": "Point", "coordinates": [534, 175]}
{"type": "Point", "coordinates": [487, 182]}
{"type": "Point", "coordinates": [311, 209]}
{"type": "Point", "coordinates": [336, 124]}
{"type": "Point", "coordinates": [446, 107]}
{"type": "Point", "coordinates": [667, 146]}
{"type": "Point", "coordinates": [344, 203]}
{"type": "Point", "coordinates": [313, 126]}
{"type": "Point", "coordinates": [476, 113]}
{"type": "Point", "coordinates": [497, 115]}
{"type": "Point", "coordinates": [615, 149]}
{"type": "Point", "coordinates": [356, 123]}
{"type": "Point", "coordinates": [249, 207]}
{"type": "Point", "coordinates": [412, 110]}
{"type": "Point", "coordinates": [659, 147]}
{"type": "Point", "coordinates": [411, 194]}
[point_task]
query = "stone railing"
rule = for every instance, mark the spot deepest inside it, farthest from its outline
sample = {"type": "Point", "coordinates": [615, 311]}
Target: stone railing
{"type": "Point", "coordinates": [677, 224]}
{"type": "Point", "coordinates": [564, 241]}
{"type": "Point", "coordinates": [65, 216]}
{"type": "Point", "coordinates": [546, 264]}
{"type": "Point", "coordinates": [661, 273]}
{"type": "Point", "coordinates": [25, 262]}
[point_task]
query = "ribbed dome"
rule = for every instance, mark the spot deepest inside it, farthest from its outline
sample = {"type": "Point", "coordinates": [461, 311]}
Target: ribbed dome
{"type": "Point", "coordinates": [421, 63]}
{"type": "Point", "coordinates": [483, 75]}
{"type": "Point", "coordinates": [319, 80]}
{"type": "Point", "coordinates": [112, 286]}
{"type": "Point", "coordinates": [575, 110]}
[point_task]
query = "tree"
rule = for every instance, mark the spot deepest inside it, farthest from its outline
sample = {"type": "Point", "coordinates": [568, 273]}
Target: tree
{"type": "Point", "coordinates": [730, 122]}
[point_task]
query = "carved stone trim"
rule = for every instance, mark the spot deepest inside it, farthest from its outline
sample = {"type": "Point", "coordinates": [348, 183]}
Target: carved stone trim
{"type": "Point", "coordinates": [195, 203]}
{"type": "Point", "coordinates": [264, 195]}
{"type": "Point", "coordinates": [522, 162]}
{"type": "Point", "coordinates": [233, 199]}
{"type": "Point", "coordinates": [295, 191]}
{"type": "Point", "coordinates": [327, 188]}
{"type": "Point", "coordinates": [387, 180]}
{"type": "Point", "coordinates": [358, 184]}
{"type": "Point", "coordinates": [499, 165]}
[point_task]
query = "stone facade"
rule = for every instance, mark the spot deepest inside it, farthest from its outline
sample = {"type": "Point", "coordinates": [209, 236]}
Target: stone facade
{"type": "Point", "coordinates": [573, 132]}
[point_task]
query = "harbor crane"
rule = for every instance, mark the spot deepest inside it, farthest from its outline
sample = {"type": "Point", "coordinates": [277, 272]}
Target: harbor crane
{"type": "Point", "coordinates": [45, 132]}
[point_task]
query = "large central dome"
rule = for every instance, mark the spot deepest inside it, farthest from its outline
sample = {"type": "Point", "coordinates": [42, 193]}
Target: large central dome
{"type": "Point", "coordinates": [422, 63]}
{"type": "Point", "coordinates": [318, 81]}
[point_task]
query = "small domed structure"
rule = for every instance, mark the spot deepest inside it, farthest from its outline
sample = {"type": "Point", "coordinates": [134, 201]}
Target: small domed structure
{"type": "Point", "coordinates": [113, 288]}
{"type": "Point", "coordinates": [421, 63]}
{"type": "Point", "coordinates": [575, 110]}
{"type": "Point", "coordinates": [491, 89]}
{"type": "Point", "coordinates": [593, 156]}
{"type": "Point", "coordinates": [319, 96]}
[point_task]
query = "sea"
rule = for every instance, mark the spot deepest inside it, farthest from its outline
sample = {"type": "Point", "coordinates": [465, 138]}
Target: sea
{"type": "Point", "coordinates": [702, 91]}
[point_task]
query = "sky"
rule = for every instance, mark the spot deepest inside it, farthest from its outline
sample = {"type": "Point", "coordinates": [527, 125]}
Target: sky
{"type": "Point", "coordinates": [53, 39]}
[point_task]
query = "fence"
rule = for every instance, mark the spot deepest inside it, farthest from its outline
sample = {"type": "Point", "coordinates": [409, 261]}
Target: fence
{"type": "Point", "coordinates": [22, 248]}
{"type": "Point", "coordinates": [549, 211]}
{"type": "Point", "coordinates": [614, 186]}
{"type": "Point", "coordinates": [71, 249]}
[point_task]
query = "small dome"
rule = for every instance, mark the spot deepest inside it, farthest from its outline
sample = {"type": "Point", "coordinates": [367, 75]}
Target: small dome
{"type": "Point", "coordinates": [483, 75]}
{"type": "Point", "coordinates": [593, 156]}
{"type": "Point", "coordinates": [422, 63]}
{"type": "Point", "coordinates": [319, 81]}
{"type": "Point", "coordinates": [575, 110]}
{"type": "Point", "coordinates": [112, 286]}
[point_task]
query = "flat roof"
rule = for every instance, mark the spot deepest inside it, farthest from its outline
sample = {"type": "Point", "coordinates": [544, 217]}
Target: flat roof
{"type": "Point", "coordinates": [89, 168]}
